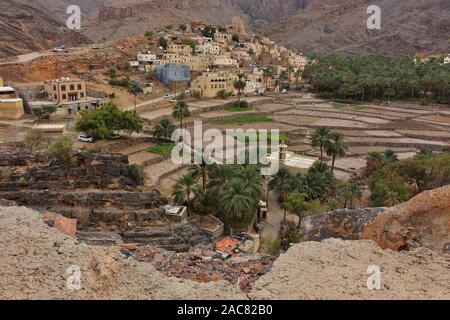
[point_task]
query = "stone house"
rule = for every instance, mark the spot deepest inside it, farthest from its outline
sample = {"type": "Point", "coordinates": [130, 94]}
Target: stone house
{"type": "Point", "coordinates": [11, 106]}
{"type": "Point", "coordinates": [65, 90]}
{"type": "Point", "coordinates": [210, 83]}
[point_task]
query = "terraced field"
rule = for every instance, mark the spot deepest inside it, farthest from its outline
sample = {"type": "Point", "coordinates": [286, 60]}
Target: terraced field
{"type": "Point", "coordinates": [367, 128]}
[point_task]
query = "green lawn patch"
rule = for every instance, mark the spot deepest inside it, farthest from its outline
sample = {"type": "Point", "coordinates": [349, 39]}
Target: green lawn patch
{"type": "Point", "coordinates": [359, 107]}
{"type": "Point", "coordinates": [162, 148]}
{"type": "Point", "coordinates": [244, 119]}
{"type": "Point", "coordinates": [337, 105]}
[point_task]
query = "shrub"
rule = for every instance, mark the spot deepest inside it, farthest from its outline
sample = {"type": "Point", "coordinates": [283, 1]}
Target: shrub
{"type": "Point", "coordinates": [137, 172]}
{"type": "Point", "coordinates": [223, 94]}
{"type": "Point", "coordinates": [197, 94]}
{"type": "Point", "coordinates": [273, 247]}
{"type": "Point", "coordinates": [33, 139]}
{"type": "Point", "coordinates": [61, 150]}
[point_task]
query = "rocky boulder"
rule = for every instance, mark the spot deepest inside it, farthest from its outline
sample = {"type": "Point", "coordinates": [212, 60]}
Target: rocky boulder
{"type": "Point", "coordinates": [347, 224]}
{"type": "Point", "coordinates": [424, 221]}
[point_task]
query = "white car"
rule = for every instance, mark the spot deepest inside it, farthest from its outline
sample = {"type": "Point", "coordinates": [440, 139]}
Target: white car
{"type": "Point", "coordinates": [85, 138]}
{"type": "Point", "coordinates": [169, 96]}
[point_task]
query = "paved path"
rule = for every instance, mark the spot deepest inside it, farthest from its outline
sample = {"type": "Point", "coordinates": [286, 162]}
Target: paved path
{"type": "Point", "coordinates": [275, 216]}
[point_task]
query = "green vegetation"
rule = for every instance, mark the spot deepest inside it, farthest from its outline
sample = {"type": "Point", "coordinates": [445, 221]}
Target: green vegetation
{"type": "Point", "coordinates": [124, 82]}
{"type": "Point", "coordinates": [257, 136]}
{"type": "Point", "coordinates": [208, 32]}
{"type": "Point", "coordinates": [33, 140]}
{"type": "Point", "coordinates": [238, 109]}
{"type": "Point", "coordinates": [182, 27]}
{"type": "Point", "coordinates": [243, 119]}
{"type": "Point", "coordinates": [230, 191]}
{"type": "Point", "coordinates": [62, 150]}
{"type": "Point", "coordinates": [223, 94]}
{"type": "Point", "coordinates": [105, 121]}
{"type": "Point", "coordinates": [338, 105]}
{"type": "Point", "coordinates": [392, 181]}
{"type": "Point", "coordinates": [137, 172]}
{"type": "Point", "coordinates": [162, 42]}
{"type": "Point", "coordinates": [164, 129]}
{"type": "Point", "coordinates": [181, 111]}
{"type": "Point", "coordinates": [162, 149]}
{"type": "Point", "coordinates": [189, 42]}
{"type": "Point", "coordinates": [196, 93]}
{"type": "Point", "coordinates": [44, 112]}
{"type": "Point", "coordinates": [239, 84]}
{"type": "Point", "coordinates": [366, 78]}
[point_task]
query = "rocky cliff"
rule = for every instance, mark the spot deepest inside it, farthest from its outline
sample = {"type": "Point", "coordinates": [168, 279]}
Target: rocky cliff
{"type": "Point", "coordinates": [407, 27]}
{"type": "Point", "coordinates": [24, 29]}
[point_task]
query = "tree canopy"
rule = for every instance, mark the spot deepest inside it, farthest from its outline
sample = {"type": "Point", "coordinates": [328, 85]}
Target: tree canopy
{"type": "Point", "coordinates": [107, 120]}
{"type": "Point", "coordinates": [379, 77]}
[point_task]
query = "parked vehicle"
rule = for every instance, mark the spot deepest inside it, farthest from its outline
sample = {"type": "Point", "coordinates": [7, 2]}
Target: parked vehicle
{"type": "Point", "coordinates": [169, 96]}
{"type": "Point", "coordinates": [86, 138]}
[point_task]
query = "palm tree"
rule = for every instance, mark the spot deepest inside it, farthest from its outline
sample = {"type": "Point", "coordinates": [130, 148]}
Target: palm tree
{"type": "Point", "coordinates": [319, 139]}
{"type": "Point", "coordinates": [218, 176]}
{"type": "Point", "coordinates": [183, 191]}
{"type": "Point", "coordinates": [335, 147]}
{"type": "Point", "coordinates": [239, 84]}
{"type": "Point", "coordinates": [181, 111]}
{"type": "Point", "coordinates": [282, 182]}
{"type": "Point", "coordinates": [351, 193]}
{"type": "Point", "coordinates": [252, 180]}
{"type": "Point", "coordinates": [235, 199]}
{"type": "Point", "coordinates": [374, 162]}
{"type": "Point", "coordinates": [389, 156]}
{"type": "Point", "coordinates": [164, 129]}
{"type": "Point", "coordinates": [392, 199]}
{"type": "Point", "coordinates": [200, 171]}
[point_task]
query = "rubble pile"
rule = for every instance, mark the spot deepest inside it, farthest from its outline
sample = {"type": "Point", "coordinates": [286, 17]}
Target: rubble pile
{"type": "Point", "coordinates": [203, 265]}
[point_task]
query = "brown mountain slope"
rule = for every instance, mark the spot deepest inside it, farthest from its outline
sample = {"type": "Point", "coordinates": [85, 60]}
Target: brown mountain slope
{"type": "Point", "coordinates": [407, 26]}
{"type": "Point", "coordinates": [25, 29]}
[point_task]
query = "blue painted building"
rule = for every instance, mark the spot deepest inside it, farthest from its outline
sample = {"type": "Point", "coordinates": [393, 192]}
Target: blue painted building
{"type": "Point", "coordinates": [168, 73]}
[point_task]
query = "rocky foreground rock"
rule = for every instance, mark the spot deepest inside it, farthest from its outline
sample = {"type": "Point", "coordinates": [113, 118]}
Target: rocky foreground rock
{"type": "Point", "coordinates": [424, 221]}
{"type": "Point", "coordinates": [35, 260]}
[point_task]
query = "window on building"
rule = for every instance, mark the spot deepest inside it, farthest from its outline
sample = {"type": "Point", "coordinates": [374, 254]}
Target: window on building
{"type": "Point", "coordinates": [72, 87]}
{"type": "Point", "coordinates": [64, 96]}
{"type": "Point", "coordinates": [63, 88]}
{"type": "Point", "coordinates": [82, 94]}
{"type": "Point", "coordinates": [79, 87]}
{"type": "Point", "coordinates": [54, 88]}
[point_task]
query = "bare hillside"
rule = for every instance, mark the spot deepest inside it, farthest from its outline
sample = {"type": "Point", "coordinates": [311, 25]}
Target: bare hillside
{"type": "Point", "coordinates": [25, 29]}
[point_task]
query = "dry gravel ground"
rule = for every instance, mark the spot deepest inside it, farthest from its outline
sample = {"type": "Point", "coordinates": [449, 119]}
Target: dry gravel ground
{"type": "Point", "coordinates": [336, 269]}
{"type": "Point", "coordinates": [34, 259]}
